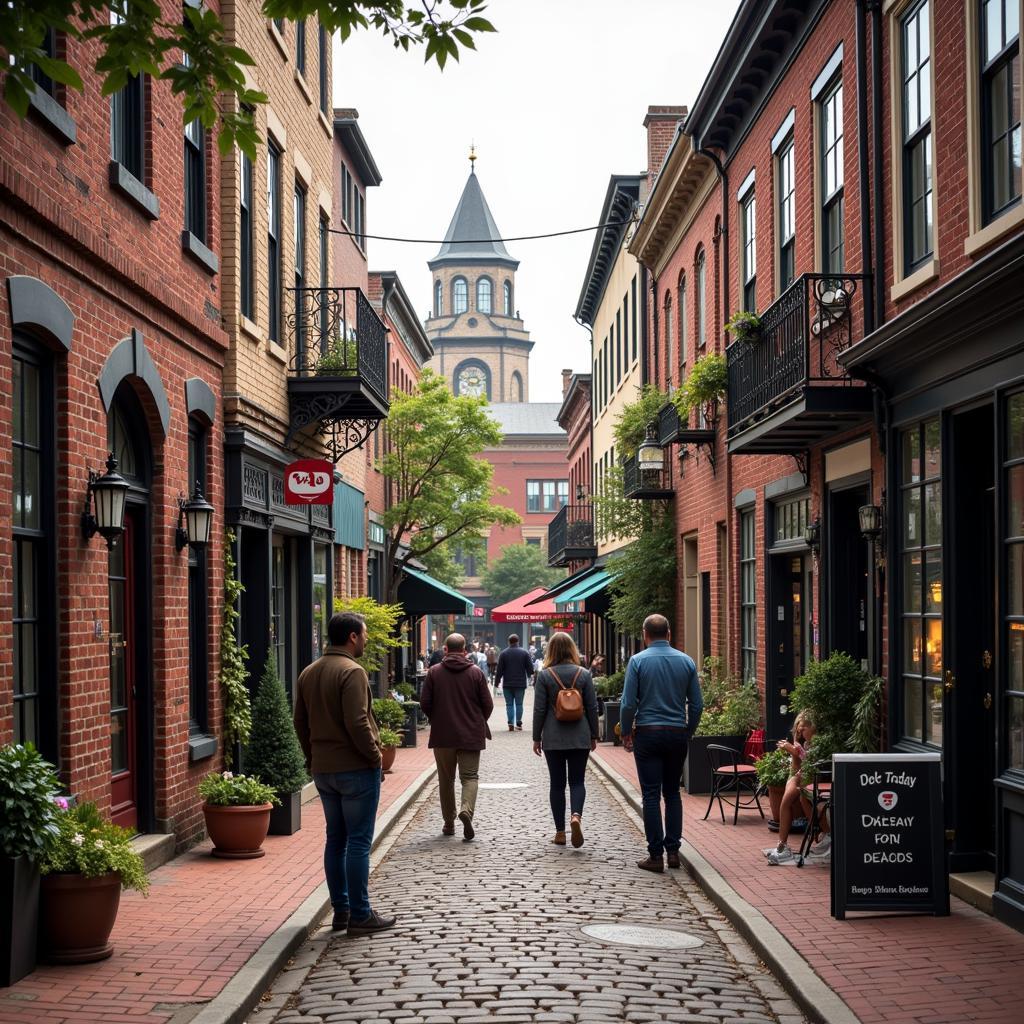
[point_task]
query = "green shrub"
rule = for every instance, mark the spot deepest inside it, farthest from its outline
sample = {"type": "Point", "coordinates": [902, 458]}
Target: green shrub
{"type": "Point", "coordinates": [866, 737]}
{"type": "Point", "coordinates": [831, 690]}
{"type": "Point", "coordinates": [382, 634]}
{"type": "Point", "coordinates": [707, 382]}
{"type": "Point", "coordinates": [225, 789]}
{"type": "Point", "coordinates": [407, 690]}
{"type": "Point", "coordinates": [610, 687]}
{"type": "Point", "coordinates": [773, 768]}
{"type": "Point", "coordinates": [388, 713]}
{"type": "Point", "coordinates": [28, 808]}
{"type": "Point", "coordinates": [730, 709]}
{"type": "Point", "coordinates": [389, 738]}
{"type": "Point", "coordinates": [274, 753]}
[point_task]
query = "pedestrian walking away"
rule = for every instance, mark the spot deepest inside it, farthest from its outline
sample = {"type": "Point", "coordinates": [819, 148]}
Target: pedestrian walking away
{"type": "Point", "coordinates": [336, 729]}
{"type": "Point", "coordinates": [515, 670]}
{"type": "Point", "coordinates": [492, 664]}
{"type": "Point", "coordinates": [660, 710]}
{"type": "Point", "coordinates": [565, 730]}
{"type": "Point", "coordinates": [456, 699]}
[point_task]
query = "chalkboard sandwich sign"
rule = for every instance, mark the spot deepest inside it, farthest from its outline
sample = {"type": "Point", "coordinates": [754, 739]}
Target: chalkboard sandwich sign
{"type": "Point", "coordinates": [887, 845]}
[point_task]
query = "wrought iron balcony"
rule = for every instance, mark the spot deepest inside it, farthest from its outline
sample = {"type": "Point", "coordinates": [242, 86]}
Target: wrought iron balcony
{"type": "Point", "coordinates": [672, 429]}
{"type": "Point", "coordinates": [787, 391]}
{"type": "Point", "coordinates": [571, 535]}
{"type": "Point", "coordinates": [647, 484]}
{"type": "Point", "coordinates": [338, 373]}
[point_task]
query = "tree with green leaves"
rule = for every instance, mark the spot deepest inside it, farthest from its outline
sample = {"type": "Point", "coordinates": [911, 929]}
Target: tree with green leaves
{"type": "Point", "coordinates": [382, 628]}
{"type": "Point", "coordinates": [274, 753]}
{"type": "Point", "coordinates": [150, 37]}
{"type": "Point", "coordinates": [518, 569]}
{"type": "Point", "coordinates": [442, 489]}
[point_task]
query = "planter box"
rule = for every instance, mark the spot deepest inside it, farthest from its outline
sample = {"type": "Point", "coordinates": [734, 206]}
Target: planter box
{"type": "Point", "coordinates": [19, 918]}
{"type": "Point", "coordinates": [610, 720]}
{"type": "Point", "coordinates": [411, 709]}
{"type": "Point", "coordinates": [696, 770]}
{"type": "Point", "coordinates": [286, 820]}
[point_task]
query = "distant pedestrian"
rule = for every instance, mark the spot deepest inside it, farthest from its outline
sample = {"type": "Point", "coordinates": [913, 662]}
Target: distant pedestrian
{"type": "Point", "coordinates": [597, 666]}
{"type": "Point", "coordinates": [492, 663]}
{"type": "Point", "coordinates": [480, 658]}
{"type": "Point", "coordinates": [515, 669]}
{"type": "Point", "coordinates": [435, 658]}
{"type": "Point", "coordinates": [565, 729]}
{"type": "Point", "coordinates": [335, 725]}
{"type": "Point", "coordinates": [660, 710]}
{"type": "Point", "coordinates": [458, 703]}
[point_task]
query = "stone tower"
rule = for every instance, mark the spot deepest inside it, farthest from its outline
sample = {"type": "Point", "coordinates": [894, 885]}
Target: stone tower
{"type": "Point", "coordinates": [480, 345]}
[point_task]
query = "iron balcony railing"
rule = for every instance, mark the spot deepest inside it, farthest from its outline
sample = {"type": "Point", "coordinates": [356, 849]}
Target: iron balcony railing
{"type": "Point", "coordinates": [336, 333]}
{"type": "Point", "coordinates": [800, 337]}
{"type": "Point", "coordinates": [672, 428]}
{"type": "Point", "coordinates": [647, 484]}
{"type": "Point", "coordinates": [571, 535]}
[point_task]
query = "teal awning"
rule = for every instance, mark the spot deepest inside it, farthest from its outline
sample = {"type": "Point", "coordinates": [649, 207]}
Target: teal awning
{"type": "Point", "coordinates": [421, 594]}
{"type": "Point", "coordinates": [572, 599]}
{"type": "Point", "coordinates": [565, 584]}
{"type": "Point", "coordinates": [349, 515]}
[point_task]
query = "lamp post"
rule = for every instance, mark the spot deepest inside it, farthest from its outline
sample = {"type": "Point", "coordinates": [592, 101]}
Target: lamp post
{"type": "Point", "coordinates": [104, 504]}
{"type": "Point", "coordinates": [197, 513]}
{"type": "Point", "coordinates": [649, 456]}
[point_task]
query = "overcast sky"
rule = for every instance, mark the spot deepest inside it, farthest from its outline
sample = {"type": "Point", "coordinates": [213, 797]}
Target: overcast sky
{"type": "Point", "coordinates": [555, 102]}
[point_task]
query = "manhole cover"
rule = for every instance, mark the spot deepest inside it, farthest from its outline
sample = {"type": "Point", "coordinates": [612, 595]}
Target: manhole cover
{"type": "Point", "coordinates": [502, 785]}
{"type": "Point", "coordinates": [641, 935]}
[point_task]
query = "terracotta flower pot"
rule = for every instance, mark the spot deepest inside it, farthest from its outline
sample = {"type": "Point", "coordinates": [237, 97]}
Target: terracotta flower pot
{"type": "Point", "coordinates": [237, 832]}
{"type": "Point", "coordinates": [775, 800]}
{"type": "Point", "coordinates": [76, 917]}
{"type": "Point", "coordinates": [387, 757]}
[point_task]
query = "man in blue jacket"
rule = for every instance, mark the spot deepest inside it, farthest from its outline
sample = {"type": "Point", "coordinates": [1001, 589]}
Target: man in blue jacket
{"type": "Point", "coordinates": [515, 668]}
{"type": "Point", "coordinates": [660, 710]}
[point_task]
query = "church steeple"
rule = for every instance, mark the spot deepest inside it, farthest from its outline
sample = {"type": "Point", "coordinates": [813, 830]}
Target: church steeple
{"type": "Point", "coordinates": [471, 227]}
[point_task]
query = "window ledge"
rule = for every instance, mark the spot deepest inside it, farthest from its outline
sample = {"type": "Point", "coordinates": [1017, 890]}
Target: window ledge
{"type": "Point", "coordinates": [278, 38]}
{"type": "Point", "coordinates": [199, 252]}
{"type": "Point", "coordinates": [325, 123]}
{"type": "Point", "coordinates": [279, 352]}
{"type": "Point", "coordinates": [201, 746]}
{"type": "Point", "coordinates": [919, 277]}
{"type": "Point", "coordinates": [253, 330]}
{"type": "Point", "coordinates": [303, 88]}
{"type": "Point", "coordinates": [1002, 225]}
{"type": "Point", "coordinates": [53, 117]}
{"type": "Point", "coordinates": [126, 183]}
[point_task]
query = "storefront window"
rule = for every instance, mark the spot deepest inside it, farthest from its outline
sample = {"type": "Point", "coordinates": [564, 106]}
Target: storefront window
{"type": "Point", "coordinates": [1014, 490]}
{"type": "Point", "coordinates": [321, 599]}
{"type": "Point", "coordinates": [748, 595]}
{"type": "Point", "coordinates": [921, 585]}
{"type": "Point", "coordinates": [277, 612]}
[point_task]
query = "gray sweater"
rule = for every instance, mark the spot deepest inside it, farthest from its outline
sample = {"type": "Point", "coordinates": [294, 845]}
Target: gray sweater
{"type": "Point", "coordinates": [556, 735]}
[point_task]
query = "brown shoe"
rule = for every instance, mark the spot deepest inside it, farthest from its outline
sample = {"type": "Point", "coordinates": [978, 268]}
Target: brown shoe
{"type": "Point", "coordinates": [673, 859]}
{"type": "Point", "coordinates": [655, 864]}
{"type": "Point", "coordinates": [467, 826]}
{"type": "Point", "coordinates": [577, 831]}
{"type": "Point", "coordinates": [448, 829]}
{"type": "Point", "coordinates": [511, 727]}
{"type": "Point", "coordinates": [559, 839]}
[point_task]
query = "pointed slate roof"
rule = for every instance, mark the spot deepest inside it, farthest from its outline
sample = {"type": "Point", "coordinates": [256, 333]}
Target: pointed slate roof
{"type": "Point", "coordinates": [472, 221]}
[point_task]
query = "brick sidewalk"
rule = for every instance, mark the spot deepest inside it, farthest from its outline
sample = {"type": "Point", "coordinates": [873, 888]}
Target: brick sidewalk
{"type": "Point", "coordinates": [897, 969]}
{"type": "Point", "coordinates": [201, 922]}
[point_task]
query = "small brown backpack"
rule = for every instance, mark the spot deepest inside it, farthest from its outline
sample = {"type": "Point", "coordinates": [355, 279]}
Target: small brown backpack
{"type": "Point", "coordinates": [569, 700]}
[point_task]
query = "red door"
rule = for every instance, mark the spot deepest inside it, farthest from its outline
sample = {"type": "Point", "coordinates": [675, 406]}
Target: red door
{"type": "Point", "coordinates": [122, 677]}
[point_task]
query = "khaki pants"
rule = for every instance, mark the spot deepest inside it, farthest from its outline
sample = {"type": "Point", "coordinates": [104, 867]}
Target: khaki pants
{"type": "Point", "coordinates": [468, 762]}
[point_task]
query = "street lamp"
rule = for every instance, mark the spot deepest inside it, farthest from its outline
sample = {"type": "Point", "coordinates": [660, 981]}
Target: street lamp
{"type": "Point", "coordinates": [198, 515]}
{"type": "Point", "coordinates": [870, 517]}
{"type": "Point", "coordinates": [106, 494]}
{"type": "Point", "coordinates": [649, 456]}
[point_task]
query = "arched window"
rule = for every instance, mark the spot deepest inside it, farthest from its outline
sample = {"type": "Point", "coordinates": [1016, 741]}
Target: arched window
{"type": "Point", "coordinates": [472, 378]}
{"type": "Point", "coordinates": [507, 290]}
{"type": "Point", "coordinates": [438, 299]}
{"type": "Point", "coordinates": [484, 295]}
{"type": "Point", "coordinates": [460, 296]}
{"type": "Point", "coordinates": [517, 386]}
{"type": "Point", "coordinates": [701, 299]}
{"type": "Point", "coordinates": [684, 333]}
{"type": "Point", "coordinates": [668, 337]}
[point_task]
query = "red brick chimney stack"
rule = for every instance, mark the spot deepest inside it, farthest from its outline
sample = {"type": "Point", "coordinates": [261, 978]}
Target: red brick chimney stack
{"type": "Point", "coordinates": [566, 377]}
{"type": "Point", "coordinates": [660, 122]}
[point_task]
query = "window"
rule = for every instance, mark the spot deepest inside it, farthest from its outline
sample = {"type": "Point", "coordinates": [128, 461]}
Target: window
{"type": "Point", "coordinates": [635, 335]}
{"type": "Point", "coordinates": [346, 196]}
{"type": "Point", "coordinates": [49, 47]}
{"type": "Point", "coordinates": [321, 602]}
{"type": "Point", "coordinates": [483, 295]}
{"type": "Point", "coordinates": [791, 519]}
{"type": "Point", "coordinates": [127, 114]}
{"type": "Point", "coordinates": [786, 187]}
{"type": "Point", "coordinates": [198, 622]}
{"type": "Point", "coordinates": [915, 42]}
{"type": "Point", "coordinates": [830, 122]}
{"type": "Point", "coordinates": [507, 290]}
{"type": "Point", "coordinates": [299, 216]}
{"type": "Point", "coordinates": [278, 612]}
{"type": "Point", "coordinates": [625, 327]}
{"type": "Point", "coordinates": [1000, 105]}
{"type": "Point", "coordinates": [1014, 618]}
{"type": "Point", "coordinates": [920, 526]}
{"type": "Point", "coordinates": [473, 562]}
{"type": "Point", "coordinates": [273, 243]}
{"type": "Point", "coordinates": [325, 98]}
{"type": "Point", "coordinates": [748, 221]}
{"type": "Point", "coordinates": [517, 386]}
{"type": "Point", "coordinates": [359, 205]}
{"type": "Point", "coordinates": [605, 374]}
{"type": "Point", "coordinates": [748, 595]}
{"type": "Point", "coordinates": [245, 229]}
{"type": "Point", "coordinates": [438, 299]}
{"type": "Point", "coordinates": [684, 334]}
{"type": "Point", "coordinates": [460, 296]}
{"type": "Point", "coordinates": [546, 495]}
{"type": "Point", "coordinates": [473, 378]}
{"type": "Point", "coordinates": [668, 337]}
{"type": "Point", "coordinates": [195, 179]}
{"type": "Point", "coordinates": [701, 294]}
{"type": "Point", "coordinates": [618, 346]}
{"type": "Point", "coordinates": [325, 259]}
{"type": "Point", "coordinates": [300, 47]}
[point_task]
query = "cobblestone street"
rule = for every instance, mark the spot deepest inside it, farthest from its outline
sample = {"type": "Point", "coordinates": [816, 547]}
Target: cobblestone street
{"type": "Point", "coordinates": [490, 930]}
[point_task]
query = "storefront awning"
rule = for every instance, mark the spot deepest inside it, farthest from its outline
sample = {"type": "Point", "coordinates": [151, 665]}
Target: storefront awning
{"type": "Point", "coordinates": [421, 594]}
{"type": "Point", "coordinates": [572, 600]}
{"type": "Point", "coordinates": [534, 606]}
{"type": "Point", "coordinates": [563, 585]}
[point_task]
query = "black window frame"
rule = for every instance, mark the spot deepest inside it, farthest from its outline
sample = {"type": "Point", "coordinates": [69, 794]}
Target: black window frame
{"type": "Point", "coordinates": [917, 138]}
{"type": "Point", "coordinates": [299, 212]}
{"type": "Point", "coordinates": [457, 308]}
{"type": "Point", "coordinates": [324, 54]}
{"type": "Point", "coordinates": [246, 224]}
{"type": "Point", "coordinates": [274, 247]}
{"type": "Point", "coordinates": [198, 592]}
{"type": "Point", "coordinates": [438, 299]}
{"type": "Point", "coordinates": [748, 249]}
{"type": "Point", "coordinates": [128, 127]}
{"type": "Point", "coordinates": [786, 203]}
{"type": "Point", "coordinates": [832, 205]}
{"type": "Point", "coordinates": [195, 179]}
{"type": "Point", "coordinates": [507, 297]}
{"type": "Point", "coordinates": [482, 281]}
{"type": "Point", "coordinates": [1012, 450]}
{"type": "Point", "coordinates": [701, 275]}
{"type": "Point", "coordinates": [300, 47]}
{"type": "Point", "coordinates": [43, 81]}
{"type": "Point", "coordinates": [748, 593]}
{"type": "Point", "coordinates": [635, 332]}
{"type": "Point", "coordinates": [1008, 59]}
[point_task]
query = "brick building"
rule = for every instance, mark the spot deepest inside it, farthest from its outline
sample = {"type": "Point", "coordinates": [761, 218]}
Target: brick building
{"type": "Point", "coordinates": [111, 339]}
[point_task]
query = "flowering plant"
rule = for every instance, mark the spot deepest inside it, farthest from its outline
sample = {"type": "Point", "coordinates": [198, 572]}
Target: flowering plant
{"type": "Point", "coordinates": [225, 789]}
{"type": "Point", "coordinates": [86, 844]}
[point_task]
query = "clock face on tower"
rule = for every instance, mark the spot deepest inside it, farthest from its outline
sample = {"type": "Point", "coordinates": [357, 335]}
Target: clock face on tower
{"type": "Point", "coordinates": [472, 381]}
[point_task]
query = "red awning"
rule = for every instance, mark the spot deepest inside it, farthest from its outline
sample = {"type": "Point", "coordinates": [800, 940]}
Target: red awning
{"type": "Point", "coordinates": [516, 610]}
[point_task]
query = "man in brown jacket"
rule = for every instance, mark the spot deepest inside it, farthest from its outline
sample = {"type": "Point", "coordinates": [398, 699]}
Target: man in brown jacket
{"type": "Point", "coordinates": [335, 725]}
{"type": "Point", "coordinates": [457, 700]}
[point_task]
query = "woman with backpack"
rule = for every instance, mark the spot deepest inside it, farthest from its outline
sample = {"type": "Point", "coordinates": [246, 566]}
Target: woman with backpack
{"type": "Point", "coordinates": [565, 729]}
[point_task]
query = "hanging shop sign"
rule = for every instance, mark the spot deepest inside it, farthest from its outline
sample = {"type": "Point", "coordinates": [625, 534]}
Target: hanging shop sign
{"type": "Point", "coordinates": [309, 482]}
{"type": "Point", "coordinates": [887, 825]}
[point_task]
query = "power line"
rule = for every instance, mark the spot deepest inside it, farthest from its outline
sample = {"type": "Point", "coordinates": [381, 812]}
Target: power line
{"type": "Point", "coordinates": [475, 241]}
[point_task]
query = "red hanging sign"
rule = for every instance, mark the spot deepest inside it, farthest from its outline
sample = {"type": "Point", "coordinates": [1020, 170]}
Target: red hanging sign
{"type": "Point", "coordinates": [309, 482]}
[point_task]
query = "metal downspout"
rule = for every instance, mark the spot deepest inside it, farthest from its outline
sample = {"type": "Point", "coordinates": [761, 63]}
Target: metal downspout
{"type": "Point", "coordinates": [862, 168]}
{"type": "Point", "coordinates": [876, 129]}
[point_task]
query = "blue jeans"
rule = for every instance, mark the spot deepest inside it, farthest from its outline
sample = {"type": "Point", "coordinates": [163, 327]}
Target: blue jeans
{"type": "Point", "coordinates": [514, 696]}
{"type": "Point", "coordinates": [350, 806]}
{"type": "Point", "coordinates": [659, 755]}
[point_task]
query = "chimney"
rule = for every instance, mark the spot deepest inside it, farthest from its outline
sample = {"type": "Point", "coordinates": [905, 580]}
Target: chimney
{"type": "Point", "coordinates": [661, 123]}
{"type": "Point", "coordinates": [566, 377]}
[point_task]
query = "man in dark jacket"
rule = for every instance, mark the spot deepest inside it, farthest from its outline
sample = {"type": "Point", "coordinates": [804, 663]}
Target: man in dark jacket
{"type": "Point", "coordinates": [515, 668]}
{"type": "Point", "coordinates": [456, 699]}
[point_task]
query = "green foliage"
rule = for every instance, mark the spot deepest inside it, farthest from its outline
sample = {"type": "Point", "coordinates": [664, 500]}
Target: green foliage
{"type": "Point", "coordinates": [866, 735]}
{"type": "Point", "coordinates": [744, 325]}
{"type": "Point", "coordinates": [443, 491]}
{"type": "Point", "coordinates": [773, 768]}
{"type": "Point", "coordinates": [274, 753]}
{"type": "Point", "coordinates": [707, 382]}
{"type": "Point", "coordinates": [224, 789]}
{"type": "Point", "coordinates": [388, 713]}
{"type": "Point", "coordinates": [28, 811]}
{"type": "Point", "coordinates": [339, 359]}
{"type": "Point", "coordinates": [831, 690]}
{"type": "Point", "coordinates": [610, 687]}
{"type": "Point", "coordinates": [389, 738]}
{"type": "Point", "coordinates": [89, 845]}
{"type": "Point", "coordinates": [821, 748]}
{"type": "Point", "coordinates": [645, 573]}
{"type": "Point", "coordinates": [382, 634]}
{"type": "Point", "coordinates": [151, 38]}
{"type": "Point", "coordinates": [233, 676]}
{"type": "Point", "coordinates": [407, 690]}
{"type": "Point", "coordinates": [730, 708]}
{"type": "Point", "coordinates": [631, 424]}
{"type": "Point", "coordinates": [518, 569]}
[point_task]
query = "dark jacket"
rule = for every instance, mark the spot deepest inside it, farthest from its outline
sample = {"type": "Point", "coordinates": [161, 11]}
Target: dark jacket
{"type": "Point", "coordinates": [436, 658]}
{"type": "Point", "coordinates": [556, 735]}
{"type": "Point", "coordinates": [457, 700]}
{"type": "Point", "coordinates": [515, 666]}
{"type": "Point", "coordinates": [334, 716]}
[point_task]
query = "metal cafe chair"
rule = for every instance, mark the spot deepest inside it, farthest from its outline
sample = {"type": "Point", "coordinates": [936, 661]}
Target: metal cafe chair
{"type": "Point", "coordinates": [821, 803]}
{"type": "Point", "coordinates": [732, 780]}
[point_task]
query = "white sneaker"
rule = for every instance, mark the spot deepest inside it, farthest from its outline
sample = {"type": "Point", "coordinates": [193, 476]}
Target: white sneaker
{"type": "Point", "coordinates": [818, 858]}
{"type": "Point", "coordinates": [824, 846]}
{"type": "Point", "coordinates": [769, 850]}
{"type": "Point", "coordinates": [780, 856]}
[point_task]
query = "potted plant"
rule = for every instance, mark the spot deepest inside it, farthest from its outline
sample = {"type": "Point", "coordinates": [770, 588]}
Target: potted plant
{"type": "Point", "coordinates": [773, 773]}
{"type": "Point", "coordinates": [609, 690]}
{"type": "Point", "coordinates": [274, 753]}
{"type": "Point", "coordinates": [84, 868]}
{"type": "Point", "coordinates": [731, 710]}
{"type": "Point", "coordinates": [28, 822]}
{"type": "Point", "coordinates": [237, 812]}
{"type": "Point", "coordinates": [744, 326]}
{"type": "Point", "coordinates": [705, 386]}
{"type": "Point", "coordinates": [390, 741]}
{"type": "Point", "coordinates": [339, 359]}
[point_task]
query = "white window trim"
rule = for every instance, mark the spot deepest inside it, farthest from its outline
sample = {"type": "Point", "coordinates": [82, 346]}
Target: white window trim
{"type": "Point", "coordinates": [786, 131]}
{"type": "Point", "coordinates": [832, 72]}
{"type": "Point", "coordinates": [788, 122]}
